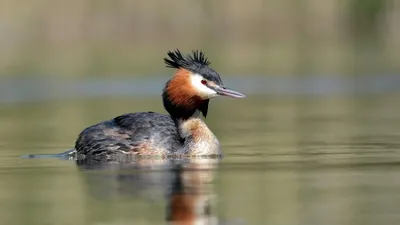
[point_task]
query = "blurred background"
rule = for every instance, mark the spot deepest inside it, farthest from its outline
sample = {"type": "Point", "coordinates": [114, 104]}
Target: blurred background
{"type": "Point", "coordinates": [315, 142]}
{"type": "Point", "coordinates": [99, 38]}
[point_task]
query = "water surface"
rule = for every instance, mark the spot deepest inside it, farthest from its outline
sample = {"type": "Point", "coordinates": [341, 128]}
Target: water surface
{"type": "Point", "coordinates": [288, 160]}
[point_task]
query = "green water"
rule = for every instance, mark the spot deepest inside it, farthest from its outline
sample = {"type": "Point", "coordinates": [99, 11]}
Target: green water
{"type": "Point", "coordinates": [288, 160]}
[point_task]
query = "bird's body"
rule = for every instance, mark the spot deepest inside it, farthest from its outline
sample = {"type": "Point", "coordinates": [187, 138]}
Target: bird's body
{"type": "Point", "coordinates": [182, 132]}
{"type": "Point", "coordinates": [131, 133]}
{"type": "Point", "coordinates": [145, 133]}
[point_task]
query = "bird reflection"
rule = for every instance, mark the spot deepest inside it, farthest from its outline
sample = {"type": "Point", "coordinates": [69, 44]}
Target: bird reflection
{"type": "Point", "coordinates": [186, 184]}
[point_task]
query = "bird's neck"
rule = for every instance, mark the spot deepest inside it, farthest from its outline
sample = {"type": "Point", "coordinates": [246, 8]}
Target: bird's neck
{"type": "Point", "coordinates": [185, 111]}
{"type": "Point", "coordinates": [198, 138]}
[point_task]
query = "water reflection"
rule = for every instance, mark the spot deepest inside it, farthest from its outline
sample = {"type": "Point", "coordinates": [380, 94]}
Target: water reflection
{"type": "Point", "coordinates": [185, 184]}
{"type": "Point", "coordinates": [287, 161]}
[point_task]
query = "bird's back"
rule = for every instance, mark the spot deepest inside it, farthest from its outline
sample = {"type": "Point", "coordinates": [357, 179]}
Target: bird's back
{"type": "Point", "coordinates": [143, 133]}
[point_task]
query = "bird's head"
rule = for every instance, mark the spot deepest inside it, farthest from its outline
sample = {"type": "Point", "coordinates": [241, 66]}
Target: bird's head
{"type": "Point", "coordinates": [192, 85]}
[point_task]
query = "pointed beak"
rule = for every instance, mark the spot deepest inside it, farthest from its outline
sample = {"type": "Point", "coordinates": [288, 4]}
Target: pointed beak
{"type": "Point", "coordinates": [223, 91]}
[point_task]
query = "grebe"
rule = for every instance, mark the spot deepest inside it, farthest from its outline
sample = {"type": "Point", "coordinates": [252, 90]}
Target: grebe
{"type": "Point", "coordinates": [182, 132]}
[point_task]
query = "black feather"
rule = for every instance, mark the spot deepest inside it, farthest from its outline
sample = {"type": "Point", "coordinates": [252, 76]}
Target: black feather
{"type": "Point", "coordinates": [195, 62]}
{"type": "Point", "coordinates": [177, 60]}
{"type": "Point", "coordinates": [204, 107]}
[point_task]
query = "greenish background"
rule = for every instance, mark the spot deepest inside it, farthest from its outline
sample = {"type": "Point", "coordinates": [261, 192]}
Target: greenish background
{"type": "Point", "coordinates": [103, 38]}
{"type": "Point", "coordinates": [316, 141]}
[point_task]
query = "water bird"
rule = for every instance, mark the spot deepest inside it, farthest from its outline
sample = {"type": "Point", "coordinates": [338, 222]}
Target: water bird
{"type": "Point", "coordinates": [181, 133]}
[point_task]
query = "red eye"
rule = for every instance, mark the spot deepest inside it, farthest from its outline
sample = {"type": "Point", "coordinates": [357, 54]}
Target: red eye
{"type": "Point", "coordinates": [204, 82]}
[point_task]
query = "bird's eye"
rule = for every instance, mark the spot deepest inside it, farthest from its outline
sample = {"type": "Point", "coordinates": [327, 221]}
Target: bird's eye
{"type": "Point", "coordinates": [204, 82]}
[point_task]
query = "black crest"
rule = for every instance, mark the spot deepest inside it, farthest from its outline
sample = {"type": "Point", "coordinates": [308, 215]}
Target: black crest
{"type": "Point", "coordinates": [177, 60]}
{"type": "Point", "coordinates": [195, 62]}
